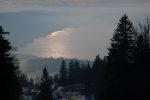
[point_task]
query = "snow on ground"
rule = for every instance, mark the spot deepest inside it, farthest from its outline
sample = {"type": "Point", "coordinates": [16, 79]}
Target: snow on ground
{"type": "Point", "coordinates": [75, 98]}
{"type": "Point", "coordinates": [60, 94]}
{"type": "Point", "coordinates": [25, 97]}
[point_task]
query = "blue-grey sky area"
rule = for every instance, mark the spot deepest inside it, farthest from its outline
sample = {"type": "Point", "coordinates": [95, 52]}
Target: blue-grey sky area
{"type": "Point", "coordinates": [68, 28]}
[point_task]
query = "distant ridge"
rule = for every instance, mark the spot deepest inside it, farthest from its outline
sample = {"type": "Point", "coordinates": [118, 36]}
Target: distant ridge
{"type": "Point", "coordinates": [34, 65]}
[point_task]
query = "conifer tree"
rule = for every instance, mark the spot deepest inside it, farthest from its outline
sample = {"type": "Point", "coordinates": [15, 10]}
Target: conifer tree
{"type": "Point", "coordinates": [76, 72]}
{"type": "Point", "coordinates": [10, 87]}
{"type": "Point", "coordinates": [120, 58]}
{"type": "Point", "coordinates": [45, 87]}
{"type": "Point", "coordinates": [98, 78]}
{"type": "Point", "coordinates": [63, 73]}
{"type": "Point", "coordinates": [86, 73]}
{"type": "Point", "coordinates": [70, 72]}
{"type": "Point", "coordinates": [141, 69]}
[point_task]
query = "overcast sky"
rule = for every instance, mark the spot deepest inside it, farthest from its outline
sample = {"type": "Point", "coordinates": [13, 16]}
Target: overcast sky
{"type": "Point", "coordinates": [68, 28]}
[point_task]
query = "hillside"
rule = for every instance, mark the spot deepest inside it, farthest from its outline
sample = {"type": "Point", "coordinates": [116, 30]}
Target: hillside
{"type": "Point", "coordinates": [33, 66]}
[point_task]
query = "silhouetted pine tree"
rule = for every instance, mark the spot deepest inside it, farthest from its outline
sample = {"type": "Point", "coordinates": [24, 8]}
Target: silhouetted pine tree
{"type": "Point", "coordinates": [119, 60]}
{"type": "Point", "coordinates": [88, 71]}
{"type": "Point", "coordinates": [87, 78]}
{"type": "Point", "coordinates": [63, 73]}
{"type": "Point", "coordinates": [137, 73]}
{"type": "Point", "coordinates": [70, 72]}
{"type": "Point", "coordinates": [98, 78]}
{"type": "Point", "coordinates": [37, 82]}
{"type": "Point", "coordinates": [23, 80]}
{"type": "Point", "coordinates": [10, 87]}
{"type": "Point", "coordinates": [56, 79]}
{"type": "Point", "coordinates": [45, 87]}
{"type": "Point", "coordinates": [31, 83]}
{"type": "Point", "coordinates": [76, 72]}
{"type": "Point", "coordinates": [141, 69]}
{"type": "Point", "coordinates": [83, 76]}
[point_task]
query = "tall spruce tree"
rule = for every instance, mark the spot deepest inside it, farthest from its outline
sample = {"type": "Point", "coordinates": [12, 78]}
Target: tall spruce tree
{"type": "Point", "coordinates": [10, 87]}
{"type": "Point", "coordinates": [63, 73]}
{"type": "Point", "coordinates": [87, 79]}
{"type": "Point", "coordinates": [88, 76]}
{"type": "Point", "coordinates": [76, 72]}
{"type": "Point", "coordinates": [70, 72]}
{"type": "Point", "coordinates": [120, 58]}
{"type": "Point", "coordinates": [98, 78]}
{"type": "Point", "coordinates": [141, 69]}
{"type": "Point", "coordinates": [96, 67]}
{"type": "Point", "coordinates": [45, 87]}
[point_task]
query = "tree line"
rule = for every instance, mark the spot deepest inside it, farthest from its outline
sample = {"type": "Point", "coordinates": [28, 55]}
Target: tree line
{"type": "Point", "coordinates": [127, 63]}
{"type": "Point", "coordinates": [124, 74]}
{"type": "Point", "coordinates": [73, 73]}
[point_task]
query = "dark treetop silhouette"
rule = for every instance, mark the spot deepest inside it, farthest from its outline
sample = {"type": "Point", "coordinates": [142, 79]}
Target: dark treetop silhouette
{"type": "Point", "coordinates": [10, 87]}
{"type": "Point", "coordinates": [45, 87]}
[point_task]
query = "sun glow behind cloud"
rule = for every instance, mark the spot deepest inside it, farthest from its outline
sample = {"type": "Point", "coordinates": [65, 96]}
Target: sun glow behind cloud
{"type": "Point", "coordinates": [92, 25]}
{"type": "Point", "coordinates": [55, 45]}
{"type": "Point", "coordinates": [80, 42]}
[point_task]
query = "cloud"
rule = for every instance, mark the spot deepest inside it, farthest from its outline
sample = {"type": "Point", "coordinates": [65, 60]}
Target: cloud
{"type": "Point", "coordinates": [83, 42]}
{"type": "Point", "coordinates": [19, 5]}
{"type": "Point", "coordinates": [92, 24]}
{"type": "Point", "coordinates": [90, 34]}
{"type": "Point", "coordinates": [91, 30]}
{"type": "Point", "coordinates": [70, 1]}
{"type": "Point", "coordinates": [54, 44]}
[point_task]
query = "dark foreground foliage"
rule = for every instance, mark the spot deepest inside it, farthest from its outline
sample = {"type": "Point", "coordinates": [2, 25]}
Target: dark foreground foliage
{"type": "Point", "coordinates": [10, 87]}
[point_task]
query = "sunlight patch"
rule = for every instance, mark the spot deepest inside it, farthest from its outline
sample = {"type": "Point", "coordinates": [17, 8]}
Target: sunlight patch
{"type": "Point", "coordinates": [52, 45]}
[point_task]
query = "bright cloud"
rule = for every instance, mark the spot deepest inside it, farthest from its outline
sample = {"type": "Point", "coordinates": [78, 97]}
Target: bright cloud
{"type": "Point", "coordinates": [83, 42]}
{"type": "Point", "coordinates": [93, 22]}
{"type": "Point", "coordinates": [55, 44]}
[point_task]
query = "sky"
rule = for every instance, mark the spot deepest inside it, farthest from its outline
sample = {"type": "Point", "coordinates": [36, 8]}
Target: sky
{"type": "Point", "coordinates": [66, 28]}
